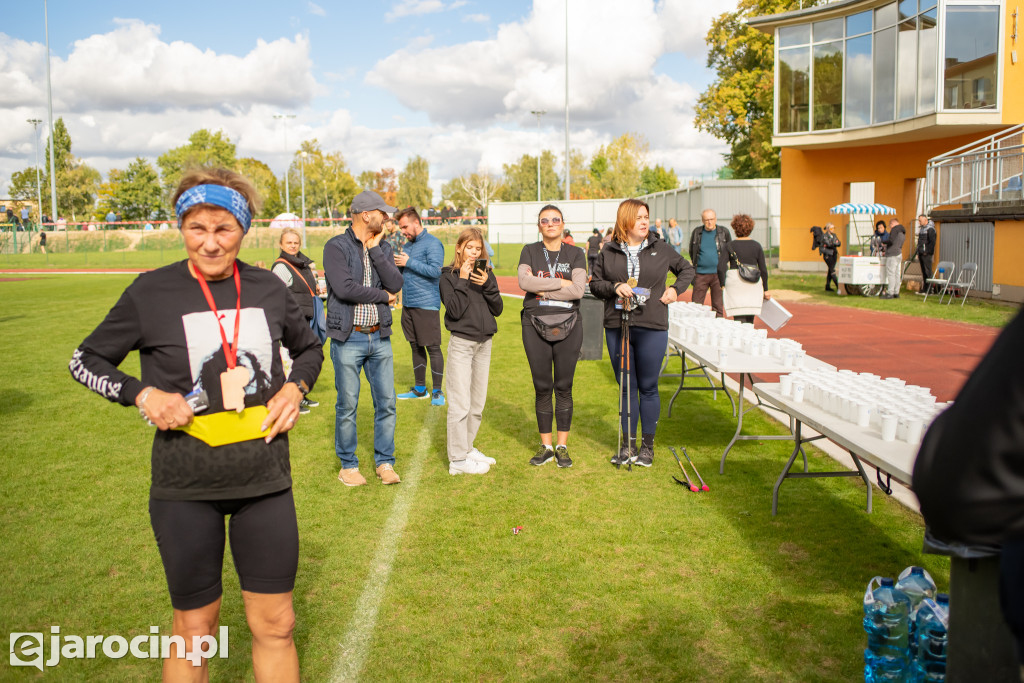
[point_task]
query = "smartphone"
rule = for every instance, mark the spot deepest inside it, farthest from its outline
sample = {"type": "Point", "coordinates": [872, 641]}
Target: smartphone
{"type": "Point", "coordinates": [481, 265]}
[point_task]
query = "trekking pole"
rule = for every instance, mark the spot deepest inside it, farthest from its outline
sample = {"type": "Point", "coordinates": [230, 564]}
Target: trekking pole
{"type": "Point", "coordinates": [619, 438]}
{"type": "Point", "coordinates": [703, 486]}
{"type": "Point", "coordinates": [690, 483]}
{"type": "Point", "coordinates": [625, 355]}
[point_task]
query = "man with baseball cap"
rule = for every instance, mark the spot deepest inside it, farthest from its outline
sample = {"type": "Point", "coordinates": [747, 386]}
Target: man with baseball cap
{"type": "Point", "coordinates": [362, 281]}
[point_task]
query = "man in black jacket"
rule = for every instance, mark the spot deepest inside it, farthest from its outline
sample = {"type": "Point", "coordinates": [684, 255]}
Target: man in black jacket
{"type": "Point", "coordinates": [925, 249]}
{"type": "Point", "coordinates": [894, 259]}
{"type": "Point", "coordinates": [709, 254]}
{"type": "Point", "coordinates": [362, 280]}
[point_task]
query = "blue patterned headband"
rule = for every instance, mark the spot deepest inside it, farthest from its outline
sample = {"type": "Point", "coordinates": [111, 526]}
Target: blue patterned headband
{"type": "Point", "coordinates": [218, 195]}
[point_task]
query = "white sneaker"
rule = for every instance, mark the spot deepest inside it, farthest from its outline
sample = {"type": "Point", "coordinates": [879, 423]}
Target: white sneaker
{"type": "Point", "coordinates": [468, 466]}
{"type": "Point", "coordinates": [476, 455]}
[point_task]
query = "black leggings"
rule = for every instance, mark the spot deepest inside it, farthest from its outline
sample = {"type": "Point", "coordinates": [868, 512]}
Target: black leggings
{"type": "Point", "coordinates": [419, 365]}
{"type": "Point", "coordinates": [264, 539]}
{"type": "Point", "coordinates": [553, 365]}
{"type": "Point", "coordinates": [830, 261]}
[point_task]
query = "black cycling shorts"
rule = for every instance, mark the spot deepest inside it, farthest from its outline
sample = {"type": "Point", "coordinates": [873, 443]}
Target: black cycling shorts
{"type": "Point", "coordinates": [264, 536]}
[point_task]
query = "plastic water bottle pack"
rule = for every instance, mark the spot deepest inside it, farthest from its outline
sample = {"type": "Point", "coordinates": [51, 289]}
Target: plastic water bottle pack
{"type": "Point", "coordinates": [906, 624]}
{"type": "Point", "coordinates": [887, 624]}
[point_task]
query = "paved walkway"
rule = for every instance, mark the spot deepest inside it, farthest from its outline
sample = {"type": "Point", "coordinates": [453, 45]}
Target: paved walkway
{"type": "Point", "coordinates": [938, 354]}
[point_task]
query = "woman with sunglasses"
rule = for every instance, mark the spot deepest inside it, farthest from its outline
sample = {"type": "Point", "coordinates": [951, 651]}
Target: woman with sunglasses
{"type": "Point", "coordinates": [553, 275]}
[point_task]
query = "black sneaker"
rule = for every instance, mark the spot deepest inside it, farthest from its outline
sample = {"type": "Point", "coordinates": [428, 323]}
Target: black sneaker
{"type": "Point", "coordinates": [645, 458]}
{"type": "Point", "coordinates": [562, 458]}
{"type": "Point", "coordinates": [303, 410]}
{"type": "Point", "coordinates": [310, 402]}
{"type": "Point", "coordinates": [542, 456]}
{"type": "Point", "coordinates": [625, 455]}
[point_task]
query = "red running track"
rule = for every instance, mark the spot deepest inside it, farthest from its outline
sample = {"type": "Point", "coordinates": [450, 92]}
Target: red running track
{"type": "Point", "coordinates": [938, 354]}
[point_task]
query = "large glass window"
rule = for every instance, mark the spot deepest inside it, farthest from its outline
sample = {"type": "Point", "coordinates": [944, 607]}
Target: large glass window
{"type": "Point", "coordinates": [828, 30]}
{"type": "Point", "coordinates": [794, 90]}
{"type": "Point", "coordinates": [971, 67]}
{"type": "Point", "coordinates": [927, 35]}
{"type": "Point", "coordinates": [828, 85]}
{"type": "Point", "coordinates": [907, 76]}
{"type": "Point", "coordinates": [794, 35]}
{"type": "Point", "coordinates": [858, 81]}
{"type": "Point", "coordinates": [858, 23]}
{"type": "Point", "coordinates": [884, 76]}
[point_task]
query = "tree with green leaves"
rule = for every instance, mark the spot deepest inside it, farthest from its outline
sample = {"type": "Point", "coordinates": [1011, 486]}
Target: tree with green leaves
{"type": "Point", "coordinates": [616, 167]}
{"type": "Point", "coordinates": [204, 148]}
{"type": "Point", "coordinates": [520, 179]}
{"type": "Point", "coordinates": [657, 179]}
{"type": "Point", "coordinates": [737, 106]}
{"type": "Point", "coordinates": [267, 186]}
{"type": "Point", "coordinates": [77, 183]}
{"type": "Point", "coordinates": [414, 184]}
{"type": "Point", "coordinates": [330, 187]}
{"type": "Point", "coordinates": [134, 193]}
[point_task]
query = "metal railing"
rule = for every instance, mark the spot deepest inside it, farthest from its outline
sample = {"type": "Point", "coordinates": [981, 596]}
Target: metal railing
{"type": "Point", "coordinates": [988, 170]}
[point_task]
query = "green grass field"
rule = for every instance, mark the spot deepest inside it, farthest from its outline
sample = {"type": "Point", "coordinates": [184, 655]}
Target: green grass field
{"type": "Point", "coordinates": [616, 575]}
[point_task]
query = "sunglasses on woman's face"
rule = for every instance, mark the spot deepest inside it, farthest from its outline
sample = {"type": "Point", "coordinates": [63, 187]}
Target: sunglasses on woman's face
{"type": "Point", "coordinates": [550, 221]}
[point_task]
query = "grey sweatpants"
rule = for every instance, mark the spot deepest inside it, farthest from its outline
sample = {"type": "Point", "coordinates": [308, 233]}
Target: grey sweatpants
{"type": "Point", "coordinates": [469, 364]}
{"type": "Point", "coordinates": [893, 275]}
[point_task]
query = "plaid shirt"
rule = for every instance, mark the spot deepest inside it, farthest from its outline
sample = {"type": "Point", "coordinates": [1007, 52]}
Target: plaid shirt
{"type": "Point", "coordinates": [366, 314]}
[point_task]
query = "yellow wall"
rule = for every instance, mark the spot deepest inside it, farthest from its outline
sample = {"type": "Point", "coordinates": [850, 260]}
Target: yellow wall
{"type": "Point", "coordinates": [1009, 245]}
{"type": "Point", "coordinates": [815, 180]}
{"type": "Point", "coordinates": [1013, 74]}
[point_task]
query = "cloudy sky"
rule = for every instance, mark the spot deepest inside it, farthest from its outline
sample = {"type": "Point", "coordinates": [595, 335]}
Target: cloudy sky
{"type": "Point", "coordinates": [451, 80]}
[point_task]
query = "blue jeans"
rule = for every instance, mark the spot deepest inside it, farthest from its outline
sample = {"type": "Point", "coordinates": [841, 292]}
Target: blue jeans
{"type": "Point", "coordinates": [369, 352]}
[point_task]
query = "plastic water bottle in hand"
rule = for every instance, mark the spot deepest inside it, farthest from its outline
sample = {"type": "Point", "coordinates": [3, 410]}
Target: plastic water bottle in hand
{"type": "Point", "coordinates": [886, 622]}
{"type": "Point", "coordinates": [917, 584]}
{"type": "Point", "coordinates": [932, 626]}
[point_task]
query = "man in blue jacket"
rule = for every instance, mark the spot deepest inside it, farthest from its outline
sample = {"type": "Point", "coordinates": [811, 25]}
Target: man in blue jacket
{"type": "Point", "coordinates": [420, 261]}
{"type": "Point", "coordinates": [362, 282]}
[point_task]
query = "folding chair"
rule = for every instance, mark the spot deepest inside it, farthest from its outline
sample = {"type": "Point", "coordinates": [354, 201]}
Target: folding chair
{"type": "Point", "coordinates": [964, 281]}
{"type": "Point", "coordinates": [946, 267]}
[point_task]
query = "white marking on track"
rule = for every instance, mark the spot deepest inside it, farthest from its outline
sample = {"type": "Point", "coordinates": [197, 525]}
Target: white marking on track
{"type": "Point", "coordinates": [356, 643]}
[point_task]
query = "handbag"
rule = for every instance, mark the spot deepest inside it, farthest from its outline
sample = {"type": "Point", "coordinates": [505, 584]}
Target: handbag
{"type": "Point", "coordinates": [318, 323]}
{"type": "Point", "coordinates": [747, 273]}
{"type": "Point", "coordinates": [554, 327]}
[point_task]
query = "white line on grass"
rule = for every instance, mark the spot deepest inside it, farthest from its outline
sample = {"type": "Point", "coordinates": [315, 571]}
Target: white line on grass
{"type": "Point", "coordinates": [356, 643]}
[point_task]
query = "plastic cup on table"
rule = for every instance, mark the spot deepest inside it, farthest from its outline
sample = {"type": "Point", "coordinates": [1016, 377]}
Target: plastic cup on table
{"type": "Point", "coordinates": [915, 429]}
{"type": "Point", "coordinates": [786, 385]}
{"type": "Point", "coordinates": [798, 392]}
{"type": "Point", "coordinates": [889, 422]}
{"type": "Point", "coordinates": [863, 414]}
{"type": "Point", "coordinates": [787, 360]}
{"type": "Point", "coordinates": [723, 356]}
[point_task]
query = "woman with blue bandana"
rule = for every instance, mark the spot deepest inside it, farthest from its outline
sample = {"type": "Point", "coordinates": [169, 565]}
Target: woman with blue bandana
{"type": "Point", "coordinates": [209, 331]}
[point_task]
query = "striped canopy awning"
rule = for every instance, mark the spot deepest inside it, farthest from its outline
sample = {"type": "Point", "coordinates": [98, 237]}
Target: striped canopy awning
{"type": "Point", "coordinates": [866, 209]}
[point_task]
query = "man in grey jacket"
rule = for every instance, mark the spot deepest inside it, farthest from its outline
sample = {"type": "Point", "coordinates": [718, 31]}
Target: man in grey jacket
{"type": "Point", "coordinates": [894, 259]}
{"type": "Point", "coordinates": [709, 254]}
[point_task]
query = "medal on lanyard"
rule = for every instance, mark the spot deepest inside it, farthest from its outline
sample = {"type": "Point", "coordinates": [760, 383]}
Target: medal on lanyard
{"type": "Point", "coordinates": [633, 264]}
{"type": "Point", "coordinates": [234, 379]}
{"type": "Point", "coordinates": [551, 269]}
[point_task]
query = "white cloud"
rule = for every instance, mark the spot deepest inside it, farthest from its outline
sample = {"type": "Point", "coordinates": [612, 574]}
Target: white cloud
{"type": "Point", "coordinates": [130, 67]}
{"type": "Point", "coordinates": [476, 18]}
{"type": "Point", "coordinates": [316, 9]}
{"type": "Point", "coordinates": [613, 87]}
{"type": "Point", "coordinates": [412, 8]}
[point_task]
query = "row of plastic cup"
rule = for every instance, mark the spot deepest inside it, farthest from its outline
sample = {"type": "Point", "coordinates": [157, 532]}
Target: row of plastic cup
{"type": "Point", "coordinates": [888, 406]}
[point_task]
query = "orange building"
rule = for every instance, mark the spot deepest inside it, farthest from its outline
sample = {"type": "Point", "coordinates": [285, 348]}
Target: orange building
{"type": "Point", "coordinates": [916, 104]}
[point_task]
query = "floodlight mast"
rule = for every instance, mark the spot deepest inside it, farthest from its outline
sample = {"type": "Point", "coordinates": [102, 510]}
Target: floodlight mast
{"type": "Point", "coordinates": [288, 168]}
{"type": "Point", "coordinates": [538, 113]}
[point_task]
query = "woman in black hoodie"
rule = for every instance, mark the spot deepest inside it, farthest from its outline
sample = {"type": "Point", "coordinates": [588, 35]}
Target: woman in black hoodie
{"type": "Point", "coordinates": [630, 271]}
{"type": "Point", "coordinates": [471, 302]}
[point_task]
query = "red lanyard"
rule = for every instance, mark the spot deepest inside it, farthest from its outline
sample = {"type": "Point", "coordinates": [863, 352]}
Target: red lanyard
{"type": "Point", "coordinates": [230, 351]}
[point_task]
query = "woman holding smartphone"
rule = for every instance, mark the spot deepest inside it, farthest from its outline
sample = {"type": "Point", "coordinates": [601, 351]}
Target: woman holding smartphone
{"type": "Point", "coordinates": [553, 275]}
{"type": "Point", "coordinates": [472, 301]}
{"type": "Point", "coordinates": [630, 274]}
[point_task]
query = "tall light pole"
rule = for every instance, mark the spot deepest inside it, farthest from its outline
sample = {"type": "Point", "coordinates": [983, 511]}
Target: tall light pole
{"type": "Point", "coordinates": [288, 168]}
{"type": "Point", "coordinates": [538, 113]}
{"type": "Point", "coordinates": [303, 167]}
{"type": "Point", "coordinates": [49, 107]}
{"type": "Point", "coordinates": [567, 168]}
{"type": "Point", "coordinates": [39, 188]}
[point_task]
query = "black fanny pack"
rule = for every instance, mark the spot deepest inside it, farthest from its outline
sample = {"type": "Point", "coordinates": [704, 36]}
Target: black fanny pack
{"type": "Point", "coordinates": [555, 327]}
